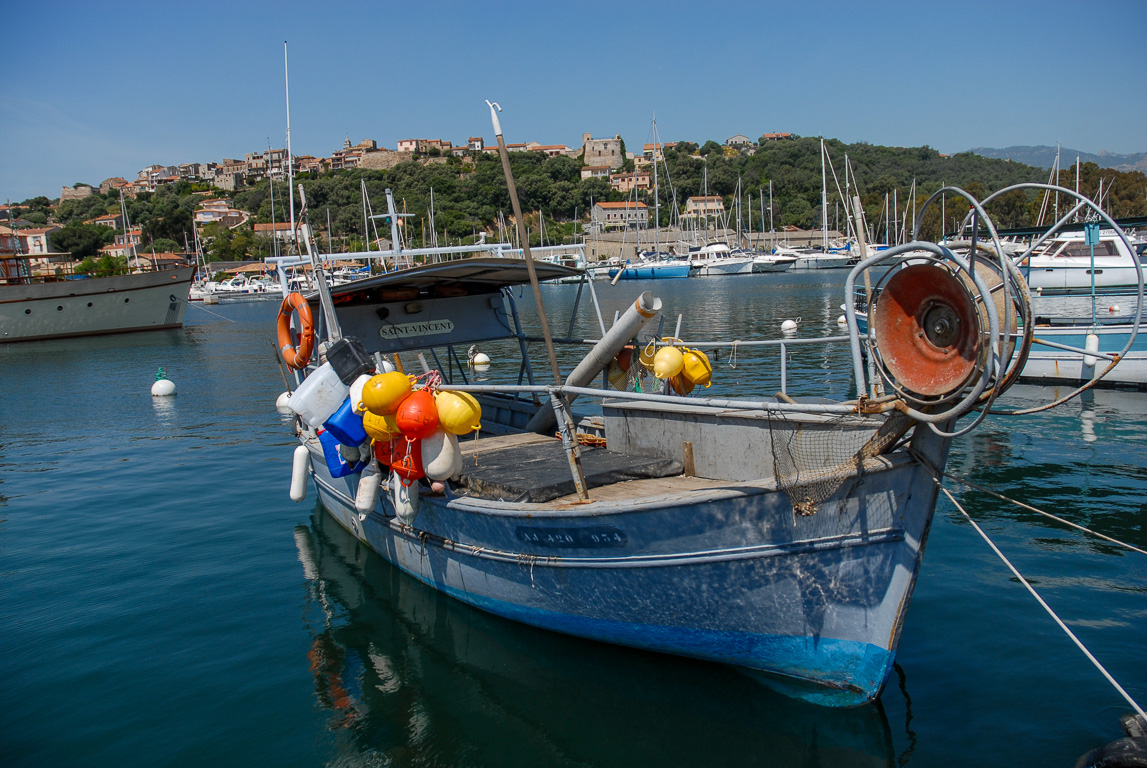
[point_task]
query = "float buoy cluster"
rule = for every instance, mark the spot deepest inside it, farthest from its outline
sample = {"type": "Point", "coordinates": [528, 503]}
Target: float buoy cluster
{"type": "Point", "coordinates": [684, 368]}
{"type": "Point", "coordinates": [367, 418]}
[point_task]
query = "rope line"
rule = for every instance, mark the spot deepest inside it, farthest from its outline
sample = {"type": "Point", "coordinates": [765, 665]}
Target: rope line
{"type": "Point", "coordinates": [208, 311]}
{"type": "Point", "coordinates": [1030, 508]}
{"type": "Point", "coordinates": [1036, 595]}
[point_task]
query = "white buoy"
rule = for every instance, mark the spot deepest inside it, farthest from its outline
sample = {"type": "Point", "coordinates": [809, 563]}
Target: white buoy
{"type": "Point", "coordinates": [300, 464]}
{"type": "Point", "coordinates": [369, 482]}
{"type": "Point", "coordinates": [405, 499]}
{"type": "Point", "coordinates": [1091, 344]}
{"type": "Point", "coordinates": [1113, 308]}
{"type": "Point", "coordinates": [789, 326]}
{"type": "Point", "coordinates": [163, 387]}
{"type": "Point", "coordinates": [441, 455]}
{"type": "Point", "coordinates": [842, 320]}
{"type": "Point", "coordinates": [1039, 289]}
{"type": "Point", "coordinates": [481, 359]}
{"type": "Point", "coordinates": [281, 401]}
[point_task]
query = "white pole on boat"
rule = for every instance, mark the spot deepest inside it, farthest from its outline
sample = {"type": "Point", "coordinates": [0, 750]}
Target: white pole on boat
{"type": "Point", "coordinates": [624, 328]}
{"type": "Point", "coordinates": [334, 330]}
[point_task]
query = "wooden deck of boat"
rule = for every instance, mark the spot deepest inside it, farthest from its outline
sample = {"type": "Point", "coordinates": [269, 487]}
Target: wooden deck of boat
{"type": "Point", "coordinates": [485, 471]}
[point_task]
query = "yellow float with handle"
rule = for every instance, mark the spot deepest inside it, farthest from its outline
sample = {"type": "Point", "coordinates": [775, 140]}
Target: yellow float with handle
{"type": "Point", "coordinates": [697, 368]}
{"type": "Point", "coordinates": [382, 394]}
{"type": "Point", "coordinates": [459, 413]}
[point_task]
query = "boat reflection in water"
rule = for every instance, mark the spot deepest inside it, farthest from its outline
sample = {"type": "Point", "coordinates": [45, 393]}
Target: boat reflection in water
{"type": "Point", "coordinates": [415, 677]}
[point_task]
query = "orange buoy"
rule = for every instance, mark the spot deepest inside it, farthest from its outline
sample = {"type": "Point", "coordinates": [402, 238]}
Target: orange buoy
{"type": "Point", "coordinates": [408, 466]}
{"type": "Point", "coordinates": [390, 450]}
{"type": "Point", "coordinates": [681, 384]}
{"type": "Point", "coordinates": [927, 331]}
{"type": "Point", "coordinates": [625, 357]}
{"type": "Point", "coordinates": [417, 416]}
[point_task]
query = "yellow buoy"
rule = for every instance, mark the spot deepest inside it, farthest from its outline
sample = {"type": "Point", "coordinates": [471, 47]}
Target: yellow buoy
{"type": "Point", "coordinates": [668, 362]}
{"type": "Point", "coordinates": [698, 369]}
{"type": "Point", "coordinates": [379, 427]}
{"type": "Point", "coordinates": [385, 392]}
{"type": "Point", "coordinates": [458, 412]}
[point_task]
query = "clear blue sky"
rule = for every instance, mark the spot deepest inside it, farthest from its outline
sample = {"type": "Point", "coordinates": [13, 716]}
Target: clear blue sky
{"type": "Point", "coordinates": [99, 89]}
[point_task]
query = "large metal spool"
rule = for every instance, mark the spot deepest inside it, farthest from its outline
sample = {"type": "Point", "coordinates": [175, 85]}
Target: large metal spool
{"type": "Point", "coordinates": [929, 333]}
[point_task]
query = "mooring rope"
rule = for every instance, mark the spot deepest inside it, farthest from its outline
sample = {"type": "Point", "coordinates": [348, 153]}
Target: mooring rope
{"type": "Point", "coordinates": [208, 311]}
{"type": "Point", "coordinates": [1030, 508]}
{"type": "Point", "coordinates": [1036, 595]}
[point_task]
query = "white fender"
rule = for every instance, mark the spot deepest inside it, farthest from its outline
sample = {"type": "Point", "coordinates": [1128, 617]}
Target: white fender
{"type": "Point", "coordinates": [405, 498]}
{"type": "Point", "coordinates": [441, 455]}
{"type": "Point", "coordinates": [1091, 344]}
{"type": "Point", "coordinates": [300, 468]}
{"type": "Point", "coordinates": [369, 483]}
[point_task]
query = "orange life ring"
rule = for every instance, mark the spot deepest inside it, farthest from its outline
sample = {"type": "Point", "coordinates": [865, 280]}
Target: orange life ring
{"type": "Point", "coordinates": [296, 357]}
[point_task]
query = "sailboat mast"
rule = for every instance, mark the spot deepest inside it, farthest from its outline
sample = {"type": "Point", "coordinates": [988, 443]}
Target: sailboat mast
{"type": "Point", "coordinates": [823, 200]}
{"type": "Point", "coordinates": [290, 157]}
{"type": "Point", "coordinates": [656, 197]}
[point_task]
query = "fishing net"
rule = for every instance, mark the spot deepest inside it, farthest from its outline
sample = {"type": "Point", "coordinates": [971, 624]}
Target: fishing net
{"type": "Point", "coordinates": [813, 456]}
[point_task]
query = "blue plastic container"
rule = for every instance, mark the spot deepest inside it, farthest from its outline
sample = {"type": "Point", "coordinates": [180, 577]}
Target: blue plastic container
{"type": "Point", "coordinates": [346, 425]}
{"type": "Point", "coordinates": [337, 465]}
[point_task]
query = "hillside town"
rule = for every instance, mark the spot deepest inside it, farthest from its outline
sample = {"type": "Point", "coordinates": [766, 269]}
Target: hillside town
{"type": "Point", "coordinates": [629, 173]}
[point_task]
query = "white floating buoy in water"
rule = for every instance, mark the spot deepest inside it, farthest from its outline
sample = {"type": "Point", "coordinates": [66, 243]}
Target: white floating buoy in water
{"type": "Point", "coordinates": [163, 387]}
{"type": "Point", "coordinates": [1039, 289]}
{"type": "Point", "coordinates": [790, 325]}
{"type": "Point", "coordinates": [481, 359]}
{"type": "Point", "coordinates": [281, 401]}
{"type": "Point", "coordinates": [842, 320]}
{"type": "Point", "coordinates": [1113, 308]}
{"type": "Point", "coordinates": [300, 463]}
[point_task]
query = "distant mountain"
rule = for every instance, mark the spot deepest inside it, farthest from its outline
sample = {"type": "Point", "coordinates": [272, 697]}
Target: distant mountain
{"type": "Point", "coordinates": [1044, 157]}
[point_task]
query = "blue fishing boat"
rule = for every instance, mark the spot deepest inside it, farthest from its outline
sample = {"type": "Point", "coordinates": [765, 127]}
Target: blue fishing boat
{"type": "Point", "coordinates": [781, 535]}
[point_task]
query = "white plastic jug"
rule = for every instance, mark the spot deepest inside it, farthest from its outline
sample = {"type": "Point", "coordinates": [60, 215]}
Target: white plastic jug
{"type": "Point", "coordinates": [319, 396]}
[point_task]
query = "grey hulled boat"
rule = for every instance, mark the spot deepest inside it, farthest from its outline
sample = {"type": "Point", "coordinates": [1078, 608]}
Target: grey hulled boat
{"type": "Point", "coordinates": [781, 536]}
{"type": "Point", "coordinates": [35, 307]}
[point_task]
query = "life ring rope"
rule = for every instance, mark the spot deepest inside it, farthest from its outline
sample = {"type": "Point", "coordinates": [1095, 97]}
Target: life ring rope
{"type": "Point", "coordinates": [296, 357]}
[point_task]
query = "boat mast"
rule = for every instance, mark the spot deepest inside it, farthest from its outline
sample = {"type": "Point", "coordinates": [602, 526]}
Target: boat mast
{"type": "Point", "coordinates": [290, 157]}
{"type": "Point", "coordinates": [823, 200]}
{"type": "Point", "coordinates": [656, 197]}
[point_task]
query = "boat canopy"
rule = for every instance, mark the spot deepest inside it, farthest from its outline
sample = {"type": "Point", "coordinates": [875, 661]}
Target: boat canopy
{"type": "Point", "coordinates": [486, 274]}
{"type": "Point", "coordinates": [454, 302]}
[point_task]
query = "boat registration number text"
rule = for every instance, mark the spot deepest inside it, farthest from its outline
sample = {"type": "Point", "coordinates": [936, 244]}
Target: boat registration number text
{"type": "Point", "coordinates": [572, 538]}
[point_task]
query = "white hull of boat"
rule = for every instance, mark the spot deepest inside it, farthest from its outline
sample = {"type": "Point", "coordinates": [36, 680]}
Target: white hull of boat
{"type": "Point", "coordinates": [822, 261]}
{"type": "Point", "coordinates": [93, 306]}
{"type": "Point", "coordinates": [723, 266]}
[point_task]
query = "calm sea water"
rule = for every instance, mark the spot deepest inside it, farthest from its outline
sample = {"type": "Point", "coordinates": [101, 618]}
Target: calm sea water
{"type": "Point", "coordinates": [162, 602]}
